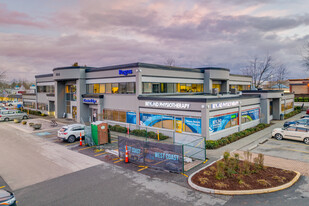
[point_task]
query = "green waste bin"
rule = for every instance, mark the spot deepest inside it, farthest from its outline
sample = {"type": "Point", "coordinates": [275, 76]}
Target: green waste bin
{"type": "Point", "coordinates": [94, 132]}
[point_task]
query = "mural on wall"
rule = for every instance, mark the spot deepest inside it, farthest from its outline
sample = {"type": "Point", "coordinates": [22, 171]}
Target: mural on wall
{"type": "Point", "coordinates": [170, 122]}
{"type": "Point", "coordinates": [250, 115]}
{"type": "Point", "coordinates": [223, 122]}
{"type": "Point", "coordinates": [131, 117]}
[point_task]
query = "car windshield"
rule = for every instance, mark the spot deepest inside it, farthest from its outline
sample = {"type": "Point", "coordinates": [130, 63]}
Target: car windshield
{"type": "Point", "coordinates": [4, 194]}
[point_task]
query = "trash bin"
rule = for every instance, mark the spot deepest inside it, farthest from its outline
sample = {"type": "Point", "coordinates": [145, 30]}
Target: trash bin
{"type": "Point", "coordinates": [281, 116]}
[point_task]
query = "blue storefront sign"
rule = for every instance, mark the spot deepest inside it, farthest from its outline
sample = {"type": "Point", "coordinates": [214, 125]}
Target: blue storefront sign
{"type": "Point", "coordinates": [131, 117]}
{"type": "Point", "coordinates": [125, 72]}
{"type": "Point", "coordinates": [90, 101]}
{"type": "Point", "coordinates": [222, 122]}
{"type": "Point", "coordinates": [250, 115]}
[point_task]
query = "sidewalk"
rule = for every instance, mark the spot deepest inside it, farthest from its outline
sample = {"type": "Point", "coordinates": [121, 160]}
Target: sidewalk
{"type": "Point", "coordinates": [250, 140]}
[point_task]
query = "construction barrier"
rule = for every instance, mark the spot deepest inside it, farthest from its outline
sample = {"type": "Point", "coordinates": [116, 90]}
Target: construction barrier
{"type": "Point", "coordinates": [152, 154]}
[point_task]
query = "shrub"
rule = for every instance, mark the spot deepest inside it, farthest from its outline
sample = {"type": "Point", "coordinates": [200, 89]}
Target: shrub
{"type": "Point", "coordinates": [152, 134]}
{"type": "Point", "coordinates": [263, 182]}
{"type": "Point", "coordinates": [300, 99]}
{"type": "Point", "coordinates": [306, 99]}
{"type": "Point", "coordinates": [203, 180]}
{"type": "Point", "coordinates": [295, 99]}
{"type": "Point", "coordinates": [31, 124]}
{"type": "Point", "coordinates": [24, 122]}
{"type": "Point", "coordinates": [220, 170]}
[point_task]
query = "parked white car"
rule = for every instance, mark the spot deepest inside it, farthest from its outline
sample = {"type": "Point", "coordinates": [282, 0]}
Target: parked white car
{"type": "Point", "coordinates": [293, 132]}
{"type": "Point", "coordinates": [71, 133]}
{"type": "Point", "coordinates": [6, 115]}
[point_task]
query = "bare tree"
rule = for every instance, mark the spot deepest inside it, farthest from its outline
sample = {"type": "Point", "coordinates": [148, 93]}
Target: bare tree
{"type": "Point", "coordinates": [305, 54]}
{"type": "Point", "coordinates": [280, 75]}
{"type": "Point", "coordinates": [260, 70]}
{"type": "Point", "coordinates": [170, 62]}
{"type": "Point", "coordinates": [2, 78]}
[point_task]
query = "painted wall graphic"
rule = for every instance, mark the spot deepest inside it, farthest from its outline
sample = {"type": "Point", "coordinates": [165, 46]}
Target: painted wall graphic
{"type": "Point", "coordinates": [131, 117]}
{"type": "Point", "coordinates": [223, 122]}
{"type": "Point", "coordinates": [250, 115]}
{"type": "Point", "coordinates": [170, 122]}
{"type": "Point", "coordinates": [194, 124]}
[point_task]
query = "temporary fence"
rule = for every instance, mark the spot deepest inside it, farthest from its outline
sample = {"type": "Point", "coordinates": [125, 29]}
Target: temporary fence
{"type": "Point", "coordinates": [193, 145]}
{"type": "Point", "coordinates": [156, 155]}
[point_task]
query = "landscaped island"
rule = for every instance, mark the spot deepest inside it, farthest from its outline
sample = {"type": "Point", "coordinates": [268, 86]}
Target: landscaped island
{"type": "Point", "coordinates": [232, 174]}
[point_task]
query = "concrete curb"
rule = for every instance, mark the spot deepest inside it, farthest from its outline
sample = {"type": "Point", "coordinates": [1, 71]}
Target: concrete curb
{"type": "Point", "coordinates": [240, 192]}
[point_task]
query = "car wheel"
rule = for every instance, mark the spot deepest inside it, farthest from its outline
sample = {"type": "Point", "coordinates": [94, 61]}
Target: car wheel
{"type": "Point", "coordinates": [306, 140]}
{"type": "Point", "coordinates": [278, 136]}
{"type": "Point", "coordinates": [71, 139]}
{"type": "Point", "coordinates": [6, 119]}
{"type": "Point", "coordinates": [25, 117]}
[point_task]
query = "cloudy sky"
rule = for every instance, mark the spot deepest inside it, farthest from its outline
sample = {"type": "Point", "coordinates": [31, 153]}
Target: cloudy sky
{"type": "Point", "coordinates": [37, 36]}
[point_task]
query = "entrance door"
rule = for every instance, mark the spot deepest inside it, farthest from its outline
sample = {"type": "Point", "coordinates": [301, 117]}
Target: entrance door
{"type": "Point", "coordinates": [94, 115]}
{"type": "Point", "coordinates": [74, 112]}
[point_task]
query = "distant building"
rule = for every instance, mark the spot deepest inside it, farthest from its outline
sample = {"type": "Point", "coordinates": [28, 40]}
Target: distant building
{"type": "Point", "coordinates": [300, 87]}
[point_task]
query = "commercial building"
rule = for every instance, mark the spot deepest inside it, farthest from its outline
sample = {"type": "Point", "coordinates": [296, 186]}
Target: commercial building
{"type": "Point", "coordinates": [300, 87]}
{"type": "Point", "coordinates": [208, 101]}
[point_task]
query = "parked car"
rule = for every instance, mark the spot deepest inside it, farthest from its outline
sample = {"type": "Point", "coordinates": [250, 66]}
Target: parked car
{"type": "Point", "coordinates": [305, 116]}
{"type": "Point", "coordinates": [14, 103]}
{"type": "Point", "coordinates": [307, 112]}
{"type": "Point", "coordinates": [6, 115]}
{"type": "Point", "coordinates": [7, 198]}
{"type": "Point", "coordinates": [304, 121]}
{"type": "Point", "coordinates": [71, 132]}
{"type": "Point", "coordinates": [294, 132]}
{"type": "Point", "coordinates": [3, 108]}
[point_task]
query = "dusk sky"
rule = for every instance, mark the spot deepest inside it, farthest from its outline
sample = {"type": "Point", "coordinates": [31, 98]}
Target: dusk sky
{"type": "Point", "coordinates": [37, 36]}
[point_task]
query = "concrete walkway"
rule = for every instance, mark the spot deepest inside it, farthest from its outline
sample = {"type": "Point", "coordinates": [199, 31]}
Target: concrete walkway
{"type": "Point", "coordinates": [252, 139]}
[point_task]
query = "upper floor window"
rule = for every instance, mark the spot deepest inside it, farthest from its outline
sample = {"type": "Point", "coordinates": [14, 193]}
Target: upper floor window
{"type": "Point", "coordinates": [171, 88]}
{"type": "Point", "coordinates": [46, 89]}
{"type": "Point", "coordinates": [112, 88]}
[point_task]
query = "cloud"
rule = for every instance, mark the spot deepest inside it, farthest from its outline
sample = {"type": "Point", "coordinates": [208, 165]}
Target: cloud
{"type": "Point", "coordinates": [16, 18]}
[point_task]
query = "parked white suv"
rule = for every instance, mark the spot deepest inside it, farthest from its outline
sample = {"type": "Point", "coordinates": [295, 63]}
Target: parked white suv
{"type": "Point", "coordinates": [71, 133]}
{"type": "Point", "coordinates": [294, 132]}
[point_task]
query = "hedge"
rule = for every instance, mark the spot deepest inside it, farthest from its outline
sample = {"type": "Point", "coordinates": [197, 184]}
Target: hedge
{"type": "Point", "coordinates": [214, 144]}
{"type": "Point", "coordinates": [296, 111]}
{"type": "Point", "coordinates": [138, 132]}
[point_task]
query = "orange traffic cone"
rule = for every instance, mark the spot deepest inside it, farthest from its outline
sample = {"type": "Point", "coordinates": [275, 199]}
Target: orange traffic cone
{"type": "Point", "coordinates": [80, 140]}
{"type": "Point", "coordinates": [127, 155]}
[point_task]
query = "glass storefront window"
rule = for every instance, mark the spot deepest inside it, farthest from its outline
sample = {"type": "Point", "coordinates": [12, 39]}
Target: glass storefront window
{"type": "Point", "coordinates": [115, 115]}
{"type": "Point", "coordinates": [108, 88]}
{"type": "Point", "coordinates": [163, 88]}
{"type": "Point", "coordinates": [122, 116]}
{"type": "Point", "coordinates": [96, 88]}
{"type": "Point", "coordinates": [189, 87]}
{"type": "Point", "coordinates": [90, 89]}
{"type": "Point", "coordinates": [122, 88]}
{"type": "Point", "coordinates": [170, 88]}
{"type": "Point", "coordinates": [131, 87]}
{"type": "Point", "coordinates": [183, 88]}
{"type": "Point", "coordinates": [115, 88]}
{"type": "Point", "coordinates": [200, 88]}
{"type": "Point", "coordinates": [218, 86]}
{"type": "Point", "coordinates": [155, 88]}
{"type": "Point", "coordinates": [102, 88]}
{"type": "Point", "coordinates": [147, 87]}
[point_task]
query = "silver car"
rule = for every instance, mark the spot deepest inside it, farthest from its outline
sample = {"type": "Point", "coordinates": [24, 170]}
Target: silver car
{"type": "Point", "coordinates": [6, 115]}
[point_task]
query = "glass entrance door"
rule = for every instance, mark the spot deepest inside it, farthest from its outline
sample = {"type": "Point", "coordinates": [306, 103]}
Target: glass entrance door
{"type": "Point", "coordinates": [74, 112]}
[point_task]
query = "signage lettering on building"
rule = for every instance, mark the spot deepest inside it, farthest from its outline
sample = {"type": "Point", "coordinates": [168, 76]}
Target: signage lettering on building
{"type": "Point", "coordinates": [172, 105]}
{"type": "Point", "coordinates": [91, 101]}
{"type": "Point", "coordinates": [125, 72]}
{"type": "Point", "coordinates": [224, 104]}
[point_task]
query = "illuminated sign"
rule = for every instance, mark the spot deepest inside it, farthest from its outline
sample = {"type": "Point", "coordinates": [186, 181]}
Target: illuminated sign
{"type": "Point", "coordinates": [125, 72]}
{"type": "Point", "coordinates": [90, 101]}
{"type": "Point", "coordinates": [224, 104]}
{"type": "Point", "coordinates": [172, 105]}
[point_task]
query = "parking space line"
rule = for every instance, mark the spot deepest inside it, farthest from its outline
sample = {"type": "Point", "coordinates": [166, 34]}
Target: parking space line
{"type": "Point", "coordinates": [117, 158]}
{"type": "Point", "coordinates": [119, 161]}
{"type": "Point", "coordinates": [142, 169]}
{"type": "Point", "coordinates": [2, 187]}
{"type": "Point", "coordinates": [296, 150]}
{"type": "Point", "coordinates": [86, 148]}
{"type": "Point", "coordinates": [205, 161]}
{"type": "Point", "coordinates": [100, 154]}
{"type": "Point", "coordinates": [114, 141]}
{"type": "Point", "coordinates": [72, 143]}
{"type": "Point", "coordinates": [184, 174]}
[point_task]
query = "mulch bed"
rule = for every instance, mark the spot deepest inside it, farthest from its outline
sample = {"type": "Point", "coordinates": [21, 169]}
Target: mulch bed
{"type": "Point", "coordinates": [267, 178]}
